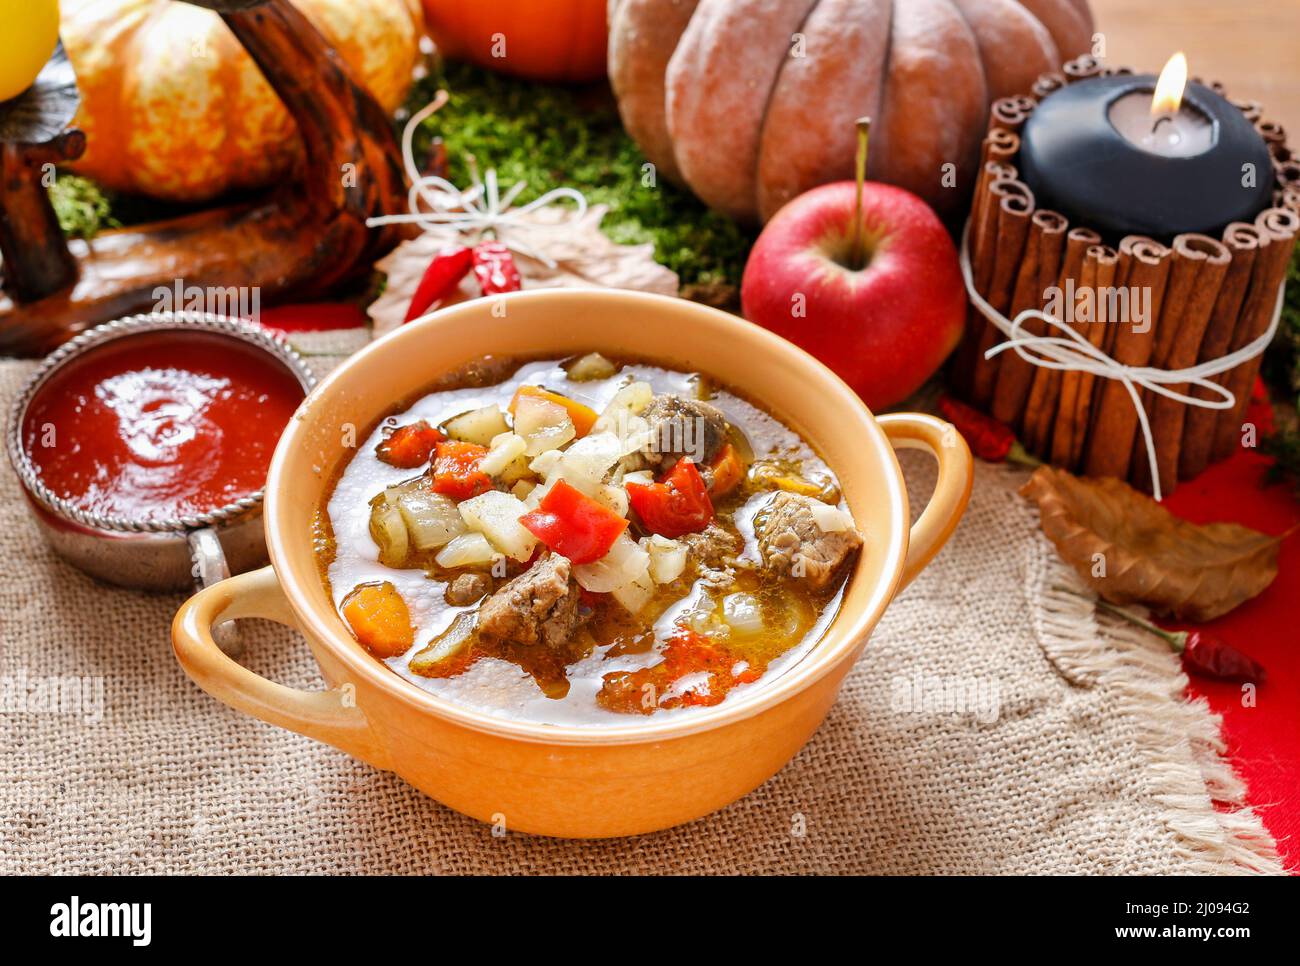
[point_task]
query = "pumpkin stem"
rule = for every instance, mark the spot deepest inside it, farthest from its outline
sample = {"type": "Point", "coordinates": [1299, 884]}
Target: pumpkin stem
{"type": "Point", "coordinates": [857, 257]}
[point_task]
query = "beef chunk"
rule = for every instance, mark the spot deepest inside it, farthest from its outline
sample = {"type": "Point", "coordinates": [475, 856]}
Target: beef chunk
{"type": "Point", "coordinates": [791, 542]}
{"type": "Point", "coordinates": [712, 551]}
{"type": "Point", "coordinates": [681, 427]}
{"type": "Point", "coordinates": [468, 589]}
{"type": "Point", "coordinates": [712, 547]}
{"type": "Point", "coordinates": [538, 606]}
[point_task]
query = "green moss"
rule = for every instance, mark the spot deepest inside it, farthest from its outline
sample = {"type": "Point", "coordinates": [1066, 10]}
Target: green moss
{"type": "Point", "coordinates": [82, 208]}
{"type": "Point", "coordinates": [552, 137]}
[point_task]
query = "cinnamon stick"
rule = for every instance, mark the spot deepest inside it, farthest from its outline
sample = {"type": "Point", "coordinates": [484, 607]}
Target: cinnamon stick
{"type": "Point", "coordinates": [1040, 411]}
{"type": "Point", "coordinates": [1038, 271]}
{"type": "Point", "coordinates": [1243, 240]}
{"type": "Point", "coordinates": [1011, 113]}
{"type": "Point", "coordinates": [1015, 205]}
{"type": "Point", "coordinates": [1144, 272]}
{"type": "Point", "coordinates": [1047, 83]}
{"type": "Point", "coordinates": [981, 241]}
{"type": "Point", "coordinates": [1199, 266]}
{"type": "Point", "coordinates": [1075, 404]}
{"type": "Point", "coordinates": [1280, 226]}
{"type": "Point", "coordinates": [1081, 68]}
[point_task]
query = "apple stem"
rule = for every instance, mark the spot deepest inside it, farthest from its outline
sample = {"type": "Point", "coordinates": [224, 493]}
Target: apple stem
{"type": "Point", "coordinates": [858, 256]}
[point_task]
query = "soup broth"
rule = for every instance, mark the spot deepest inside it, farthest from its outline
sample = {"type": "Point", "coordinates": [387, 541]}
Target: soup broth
{"type": "Point", "coordinates": [612, 539]}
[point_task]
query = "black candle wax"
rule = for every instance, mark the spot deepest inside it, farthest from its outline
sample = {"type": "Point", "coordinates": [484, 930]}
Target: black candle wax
{"type": "Point", "coordinates": [1076, 162]}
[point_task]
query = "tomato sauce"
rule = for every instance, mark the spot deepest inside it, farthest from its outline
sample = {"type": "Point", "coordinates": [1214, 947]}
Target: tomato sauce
{"type": "Point", "coordinates": [160, 425]}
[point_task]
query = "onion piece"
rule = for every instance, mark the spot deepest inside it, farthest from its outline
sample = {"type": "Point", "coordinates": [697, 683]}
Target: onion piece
{"type": "Point", "coordinates": [624, 564]}
{"type": "Point", "coordinates": [467, 550]}
{"type": "Point", "coordinates": [667, 558]}
{"type": "Point", "coordinates": [590, 367]}
{"type": "Point", "coordinates": [432, 519]}
{"type": "Point", "coordinates": [388, 530]}
{"type": "Point", "coordinates": [504, 449]}
{"type": "Point", "coordinates": [743, 614]}
{"type": "Point", "coordinates": [544, 425]}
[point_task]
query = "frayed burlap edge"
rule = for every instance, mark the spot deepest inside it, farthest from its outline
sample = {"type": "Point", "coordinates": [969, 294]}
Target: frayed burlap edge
{"type": "Point", "coordinates": [1179, 738]}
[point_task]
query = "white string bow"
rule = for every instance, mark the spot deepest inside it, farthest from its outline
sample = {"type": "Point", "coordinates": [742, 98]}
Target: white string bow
{"type": "Point", "coordinates": [1074, 353]}
{"type": "Point", "coordinates": [435, 202]}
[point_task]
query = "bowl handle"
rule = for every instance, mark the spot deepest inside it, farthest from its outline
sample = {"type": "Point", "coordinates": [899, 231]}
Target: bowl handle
{"type": "Point", "coordinates": [951, 491]}
{"type": "Point", "coordinates": [329, 716]}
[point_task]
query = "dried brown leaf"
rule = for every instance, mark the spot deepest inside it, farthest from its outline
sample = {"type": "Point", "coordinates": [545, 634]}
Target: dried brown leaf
{"type": "Point", "coordinates": [1189, 571]}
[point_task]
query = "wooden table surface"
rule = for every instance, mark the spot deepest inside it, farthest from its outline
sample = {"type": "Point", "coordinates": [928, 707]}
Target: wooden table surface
{"type": "Point", "coordinates": [1252, 46]}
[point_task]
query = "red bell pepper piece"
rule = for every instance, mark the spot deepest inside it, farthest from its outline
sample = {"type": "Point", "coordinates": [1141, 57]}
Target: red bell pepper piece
{"type": "Point", "coordinates": [495, 268]}
{"type": "Point", "coordinates": [455, 470]}
{"type": "Point", "coordinates": [678, 504]}
{"type": "Point", "coordinates": [573, 524]}
{"type": "Point", "coordinates": [409, 446]}
{"type": "Point", "coordinates": [439, 280]}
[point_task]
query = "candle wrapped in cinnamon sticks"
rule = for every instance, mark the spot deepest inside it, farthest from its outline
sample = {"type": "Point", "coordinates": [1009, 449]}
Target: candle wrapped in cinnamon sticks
{"type": "Point", "coordinates": [1190, 302]}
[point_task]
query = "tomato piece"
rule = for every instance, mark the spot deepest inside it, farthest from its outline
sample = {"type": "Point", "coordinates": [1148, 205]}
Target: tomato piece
{"type": "Point", "coordinates": [573, 524]}
{"type": "Point", "coordinates": [409, 446]}
{"type": "Point", "coordinates": [728, 471]}
{"type": "Point", "coordinates": [455, 470]}
{"type": "Point", "coordinates": [648, 689]}
{"type": "Point", "coordinates": [677, 504]}
{"type": "Point", "coordinates": [583, 417]}
{"type": "Point", "coordinates": [380, 619]}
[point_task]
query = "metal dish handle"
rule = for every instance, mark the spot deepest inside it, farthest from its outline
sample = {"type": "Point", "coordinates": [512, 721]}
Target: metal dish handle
{"type": "Point", "coordinates": [210, 568]}
{"type": "Point", "coordinates": [329, 716]}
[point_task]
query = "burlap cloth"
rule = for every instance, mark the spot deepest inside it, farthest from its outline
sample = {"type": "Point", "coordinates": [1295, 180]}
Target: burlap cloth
{"type": "Point", "coordinates": [1092, 763]}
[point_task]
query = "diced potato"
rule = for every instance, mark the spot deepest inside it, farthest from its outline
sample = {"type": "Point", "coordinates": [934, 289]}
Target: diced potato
{"type": "Point", "coordinates": [523, 489]}
{"type": "Point", "coordinates": [743, 614]}
{"type": "Point", "coordinates": [544, 425]}
{"type": "Point", "coordinates": [496, 515]}
{"type": "Point", "coordinates": [591, 366]}
{"type": "Point", "coordinates": [504, 450]}
{"type": "Point", "coordinates": [639, 476]}
{"type": "Point", "coordinates": [467, 550]}
{"type": "Point", "coordinates": [625, 563]}
{"type": "Point", "coordinates": [830, 519]}
{"type": "Point", "coordinates": [431, 519]}
{"type": "Point", "coordinates": [458, 636]}
{"type": "Point", "coordinates": [388, 530]}
{"type": "Point", "coordinates": [635, 594]}
{"type": "Point", "coordinates": [667, 558]}
{"type": "Point", "coordinates": [479, 426]}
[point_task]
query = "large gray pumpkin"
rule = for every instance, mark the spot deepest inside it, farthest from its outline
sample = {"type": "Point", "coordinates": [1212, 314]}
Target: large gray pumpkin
{"type": "Point", "coordinates": [751, 102]}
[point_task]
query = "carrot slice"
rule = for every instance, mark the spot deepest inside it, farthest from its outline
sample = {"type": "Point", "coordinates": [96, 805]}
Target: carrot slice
{"type": "Point", "coordinates": [380, 619]}
{"type": "Point", "coordinates": [584, 417]}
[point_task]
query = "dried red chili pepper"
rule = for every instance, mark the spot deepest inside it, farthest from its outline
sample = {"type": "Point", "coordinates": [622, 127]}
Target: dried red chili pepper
{"type": "Point", "coordinates": [495, 268]}
{"type": "Point", "coordinates": [987, 438]}
{"type": "Point", "coordinates": [1207, 655]}
{"type": "Point", "coordinates": [439, 280]}
{"type": "Point", "coordinates": [1201, 651]}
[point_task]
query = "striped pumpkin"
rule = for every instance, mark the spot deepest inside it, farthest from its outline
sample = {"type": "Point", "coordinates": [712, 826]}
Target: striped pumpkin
{"type": "Point", "coordinates": [173, 106]}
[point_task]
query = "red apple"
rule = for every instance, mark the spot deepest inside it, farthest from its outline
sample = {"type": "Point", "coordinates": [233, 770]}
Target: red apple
{"type": "Point", "coordinates": [883, 325]}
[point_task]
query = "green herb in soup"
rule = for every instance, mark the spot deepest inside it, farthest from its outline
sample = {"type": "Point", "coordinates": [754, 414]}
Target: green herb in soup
{"type": "Point", "coordinates": [579, 540]}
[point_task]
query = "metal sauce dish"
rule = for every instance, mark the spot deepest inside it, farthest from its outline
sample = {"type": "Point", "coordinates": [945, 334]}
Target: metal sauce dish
{"type": "Point", "coordinates": [159, 555]}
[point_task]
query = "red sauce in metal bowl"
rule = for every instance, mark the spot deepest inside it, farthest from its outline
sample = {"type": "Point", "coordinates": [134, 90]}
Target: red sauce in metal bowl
{"type": "Point", "coordinates": [160, 425]}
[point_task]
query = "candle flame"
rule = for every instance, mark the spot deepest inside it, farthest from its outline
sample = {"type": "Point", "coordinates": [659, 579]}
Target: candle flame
{"type": "Point", "coordinates": [1169, 88]}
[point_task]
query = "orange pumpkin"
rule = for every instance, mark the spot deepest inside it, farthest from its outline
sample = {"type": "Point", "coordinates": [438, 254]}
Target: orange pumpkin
{"type": "Point", "coordinates": [546, 40]}
{"type": "Point", "coordinates": [173, 106]}
{"type": "Point", "coordinates": [752, 102]}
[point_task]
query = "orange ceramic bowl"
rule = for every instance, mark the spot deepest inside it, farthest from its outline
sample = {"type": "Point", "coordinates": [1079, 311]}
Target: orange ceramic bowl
{"type": "Point", "coordinates": [579, 782]}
